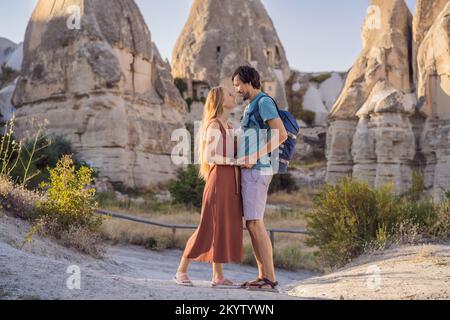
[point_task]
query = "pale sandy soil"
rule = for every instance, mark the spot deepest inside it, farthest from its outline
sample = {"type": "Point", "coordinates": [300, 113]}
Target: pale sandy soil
{"type": "Point", "coordinates": [407, 273]}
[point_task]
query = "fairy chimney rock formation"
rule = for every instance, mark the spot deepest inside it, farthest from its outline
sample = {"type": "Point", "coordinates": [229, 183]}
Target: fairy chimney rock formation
{"type": "Point", "coordinates": [370, 137]}
{"type": "Point", "coordinates": [433, 90]}
{"type": "Point", "coordinates": [91, 69]}
{"type": "Point", "coordinates": [393, 115]}
{"type": "Point", "coordinates": [221, 35]}
{"type": "Point", "coordinates": [426, 13]}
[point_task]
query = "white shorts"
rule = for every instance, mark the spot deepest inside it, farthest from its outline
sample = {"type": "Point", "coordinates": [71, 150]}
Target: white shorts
{"type": "Point", "coordinates": [255, 187]}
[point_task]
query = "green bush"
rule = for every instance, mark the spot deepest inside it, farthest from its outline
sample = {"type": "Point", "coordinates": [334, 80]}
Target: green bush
{"type": "Point", "coordinates": [188, 187]}
{"type": "Point", "coordinates": [283, 182]}
{"type": "Point", "coordinates": [350, 217]}
{"type": "Point", "coordinates": [321, 77]}
{"type": "Point", "coordinates": [70, 200]}
{"type": "Point", "coordinates": [344, 219]}
{"type": "Point", "coordinates": [307, 117]}
{"type": "Point", "coordinates": [67, 211]}
{"type": "Point", "coordinates": [199, 99]}
{"type": "Point", "coordinates": [7, 75]}
{"type": "Point", "coordinates": [181, 85]}
{"type": "Point", "coordinates": [40, 153]}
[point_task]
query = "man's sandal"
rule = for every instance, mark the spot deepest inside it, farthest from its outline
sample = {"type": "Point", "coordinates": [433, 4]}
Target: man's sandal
{"type": "Point", "coordinates": [250, 283]}
{"type": "Point", "coordinates": [259, 286]}
{"type": "Point", "coordinates": [182, 279]}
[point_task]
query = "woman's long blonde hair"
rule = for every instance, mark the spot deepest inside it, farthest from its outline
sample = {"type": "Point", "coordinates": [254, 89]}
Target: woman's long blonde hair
{"type": "Point", "coordinates": [213, 109]}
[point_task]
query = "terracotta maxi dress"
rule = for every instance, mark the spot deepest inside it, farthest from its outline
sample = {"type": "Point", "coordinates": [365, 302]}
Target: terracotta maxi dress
{"type": "Point", "coordinates": [219, 237]}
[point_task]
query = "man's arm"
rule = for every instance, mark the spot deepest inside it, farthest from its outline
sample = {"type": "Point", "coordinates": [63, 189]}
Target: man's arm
{"type": "Point", "coordinates": [269, 114]}
{"type": "Point", "coordinates": [278, 136]}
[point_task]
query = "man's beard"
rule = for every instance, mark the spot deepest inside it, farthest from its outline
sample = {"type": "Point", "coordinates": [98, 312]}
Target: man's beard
{"type": "Point", "coordinates": [246, 96]}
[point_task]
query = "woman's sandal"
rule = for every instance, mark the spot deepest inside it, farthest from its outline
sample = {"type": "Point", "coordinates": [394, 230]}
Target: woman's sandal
{"type": "Point", "coordinates": [259, 286]}
{"type": "Point", "coordinates": [224, 284]}
{"type": "Point", "coordinates": [182, 279]}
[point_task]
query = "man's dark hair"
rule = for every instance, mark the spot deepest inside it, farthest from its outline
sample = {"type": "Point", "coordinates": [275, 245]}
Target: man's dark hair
{"type": "Point", "coordinates": [248, 74]}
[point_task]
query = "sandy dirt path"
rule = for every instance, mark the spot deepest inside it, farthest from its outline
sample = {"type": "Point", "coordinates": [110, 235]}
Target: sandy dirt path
{"type": "Point", "coordinates": [38, 271]}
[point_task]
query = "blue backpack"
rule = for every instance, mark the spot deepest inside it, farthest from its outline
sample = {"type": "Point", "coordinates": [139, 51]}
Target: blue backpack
{"type": "Point", "coordinates": [286, 150]}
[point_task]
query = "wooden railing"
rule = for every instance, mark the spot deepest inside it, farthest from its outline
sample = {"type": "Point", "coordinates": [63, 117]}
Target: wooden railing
{"type": "Point", "coordinates": [174, 227]}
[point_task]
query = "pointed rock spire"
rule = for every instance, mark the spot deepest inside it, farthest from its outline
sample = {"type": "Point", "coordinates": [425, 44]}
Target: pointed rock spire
{"type": "Point", "coordinates": [221, 35]}
{"type": "Point", "coordinates": [91, 69]}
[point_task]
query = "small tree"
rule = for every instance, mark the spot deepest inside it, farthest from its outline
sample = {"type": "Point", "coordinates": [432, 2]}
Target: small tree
{"type": "Point", "coordinates": [181, 85]}
{"type": "Point", "coordinates": [188, 187]}
{"type": "Point", "coordinates": [70, 201]}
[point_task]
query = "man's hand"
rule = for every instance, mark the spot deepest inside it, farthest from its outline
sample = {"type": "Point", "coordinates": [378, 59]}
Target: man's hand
{"type": "Point", "coordinates": [276, 125]}
{"type": "Point", "coordinates": [246, 162]}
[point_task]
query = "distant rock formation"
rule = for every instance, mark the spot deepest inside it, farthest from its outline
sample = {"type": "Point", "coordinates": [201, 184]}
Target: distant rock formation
{"type": "Point", "coordinates": [15, 60]}
{"type": "Point", "coordinates": [315, 92]}
{"type": "Point", "coordinates": [218, 37]}
{"type": "Point", "coordinates": [10, 54]}
{"type": "Point", "coordinates": [104, 86]}
{"type": "Point", "coordinates": [384, 127]}
{"type": "Point", "coordinates": [6, 108]}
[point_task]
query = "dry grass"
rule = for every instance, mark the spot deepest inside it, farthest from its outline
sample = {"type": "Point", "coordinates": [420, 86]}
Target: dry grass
{"type": "Point", "coordinates": [83, 240]}
{"type": "Point", "coordinates": [309, 164]}
{"type": "Point", "coordinates": [301, 199]}
{"type": "Point", "coordinates": [17, 200]}
{"type": "Point", "coordinates": [152, 237]}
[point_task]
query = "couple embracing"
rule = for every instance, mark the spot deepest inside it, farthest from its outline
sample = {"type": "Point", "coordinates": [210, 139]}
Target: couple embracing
{"type": "Point", "coordinates": [237, 183]}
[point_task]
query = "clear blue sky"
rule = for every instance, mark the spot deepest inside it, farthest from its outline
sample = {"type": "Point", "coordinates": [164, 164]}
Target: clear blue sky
{"type": "Point", "coordinates": [318, 35]}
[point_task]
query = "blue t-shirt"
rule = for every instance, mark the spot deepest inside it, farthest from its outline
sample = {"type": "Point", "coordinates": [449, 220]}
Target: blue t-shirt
{"type": "Point", "coordinates": [256, 140]}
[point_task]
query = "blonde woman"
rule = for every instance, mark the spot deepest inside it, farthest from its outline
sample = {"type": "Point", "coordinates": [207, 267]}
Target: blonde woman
{"type": "Point", "coordinates": [219, 237]}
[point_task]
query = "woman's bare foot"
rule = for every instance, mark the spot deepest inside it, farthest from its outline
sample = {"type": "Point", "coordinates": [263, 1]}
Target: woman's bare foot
{"type": "Point", "coordinates": [182, 279]}
{"type": "Point", "coordinates": [223, 283]}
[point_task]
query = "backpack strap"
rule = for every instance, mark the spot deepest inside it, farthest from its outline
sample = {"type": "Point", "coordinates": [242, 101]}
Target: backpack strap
{"type": "Point", "coordinates": [258, 117]}
{"type": "Point", "coordinates": [257, 114]}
